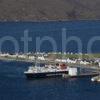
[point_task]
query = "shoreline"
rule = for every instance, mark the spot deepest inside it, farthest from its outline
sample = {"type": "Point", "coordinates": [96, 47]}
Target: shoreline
{"type": "Point", "coordinates": [44, 21]}
{"type": "Point", "coordinates": [88, 60]}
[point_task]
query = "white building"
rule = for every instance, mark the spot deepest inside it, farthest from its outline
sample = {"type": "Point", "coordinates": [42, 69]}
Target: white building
{"type": "Point", "coordinates": [61, 60]}
{"type": "Point", "coordinates": [4, 55]}
{"type": "Point", "coordinates": [72, 71]}
{"type": "Point", "coordinates": [71, 61]}
{"type": "Point", "coordinates": [84, 62]}
{"type": "Point", "coordinates": [31, 57]}
{"type": "Point", "coordinates": [22, 56]}
{"type": "Point", "coordinates": [99, 64]}
{"type": "Point", "coordinates": [41, 58]}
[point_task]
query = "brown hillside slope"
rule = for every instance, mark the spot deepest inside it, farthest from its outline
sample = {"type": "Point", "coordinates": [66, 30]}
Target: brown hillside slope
{"type": "Point", "coordinates": [36, 10]}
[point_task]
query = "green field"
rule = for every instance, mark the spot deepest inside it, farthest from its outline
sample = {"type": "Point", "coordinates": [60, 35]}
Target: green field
{"type": "Point", "coordinates": [75, 56]}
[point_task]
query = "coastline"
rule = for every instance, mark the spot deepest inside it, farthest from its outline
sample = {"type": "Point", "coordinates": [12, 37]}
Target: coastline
{"type": "Point", "coordinates": [88, 60]}
{"type": "Point", "coordinates": [44, 21]}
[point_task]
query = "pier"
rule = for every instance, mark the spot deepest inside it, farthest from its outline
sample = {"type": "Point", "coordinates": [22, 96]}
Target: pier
{"type": "Point", "coordinates": [80, 76]}
{"type": "Point", "coordinates": [52, 59]}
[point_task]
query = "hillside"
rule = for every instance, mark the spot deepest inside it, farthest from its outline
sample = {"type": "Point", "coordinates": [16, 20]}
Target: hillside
{"type": "Point", "coordinates": [38, 10]}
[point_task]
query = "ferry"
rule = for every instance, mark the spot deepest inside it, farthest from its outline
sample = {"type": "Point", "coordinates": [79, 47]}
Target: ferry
{"type": "Point", "coordinates": [46, 71]}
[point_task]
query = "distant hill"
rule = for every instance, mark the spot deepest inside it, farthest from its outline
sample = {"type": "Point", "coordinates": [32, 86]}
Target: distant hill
{"type": "Point", "coordinates": [38, 10]}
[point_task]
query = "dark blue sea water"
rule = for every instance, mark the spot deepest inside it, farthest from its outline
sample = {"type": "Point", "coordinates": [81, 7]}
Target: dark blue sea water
{"type": "Point", "coordinates": [83, 30]}
{"type": "Point", "coordinates": [15, 86]}
{"type": "Point", "coordinates": [13, 83]}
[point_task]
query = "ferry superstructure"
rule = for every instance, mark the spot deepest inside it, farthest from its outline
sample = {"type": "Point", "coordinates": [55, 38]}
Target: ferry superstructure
{"type": "Point", "coordinates": [46, 71]}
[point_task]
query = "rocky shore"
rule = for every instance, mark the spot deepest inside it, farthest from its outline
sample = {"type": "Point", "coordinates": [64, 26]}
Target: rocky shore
{"type": "Point", "coordinates": [47, 10]}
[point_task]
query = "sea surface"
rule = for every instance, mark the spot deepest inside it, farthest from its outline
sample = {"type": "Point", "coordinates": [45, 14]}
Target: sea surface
{"type": "Point", "coordinates": [13, 83]}
{"type": "Point", "coordinates": [83, 31]}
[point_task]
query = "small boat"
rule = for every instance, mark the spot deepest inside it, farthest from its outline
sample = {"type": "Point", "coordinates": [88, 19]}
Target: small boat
{"type": "Point", "coordinates": [95, 79]}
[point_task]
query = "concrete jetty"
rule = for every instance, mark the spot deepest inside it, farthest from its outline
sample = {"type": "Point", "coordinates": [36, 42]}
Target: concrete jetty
{"type": "Point", "coordinates": [80, 76]}
{"type": "Point", "coordinates": [76, 72]}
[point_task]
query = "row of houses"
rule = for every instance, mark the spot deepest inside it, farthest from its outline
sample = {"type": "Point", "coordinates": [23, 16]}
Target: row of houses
{"type": "Point", "coordinates": [44, 57]}
{"type": "Point", "coordinates": [75, 61]}
{"type": "Point", "coordinates": [22, 56]}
